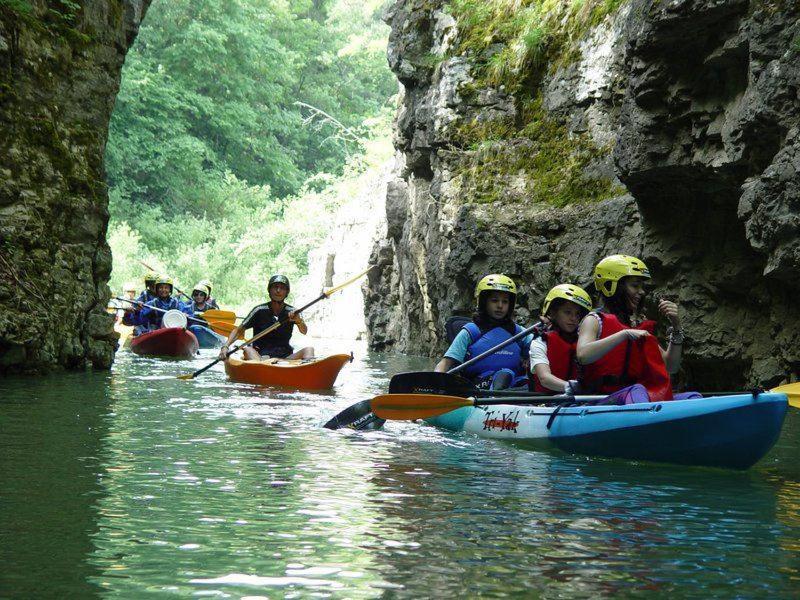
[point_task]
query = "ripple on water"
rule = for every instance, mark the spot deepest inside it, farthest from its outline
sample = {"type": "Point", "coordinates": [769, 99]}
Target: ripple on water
{"type": "Point", "coordinates": [138, 483]}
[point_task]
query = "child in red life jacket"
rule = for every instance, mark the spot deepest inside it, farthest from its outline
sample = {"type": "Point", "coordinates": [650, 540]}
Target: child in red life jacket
{"type": "Point", "coordinates": [552, 354]}
{"type": "Point", "coordinates": [492, 324]}
{"type": "Point", "coordinates": [616, 346]}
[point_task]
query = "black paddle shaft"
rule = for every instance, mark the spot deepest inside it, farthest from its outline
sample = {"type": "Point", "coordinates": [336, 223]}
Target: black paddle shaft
{"type": "Point", "coordinates": [490, 351]}
{"type": "Point", "coordinates": [322, 296]}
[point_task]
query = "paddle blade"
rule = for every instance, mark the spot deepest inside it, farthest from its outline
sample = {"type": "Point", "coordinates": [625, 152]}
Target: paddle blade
{"type": "Point", "coordinates": [186, 377]}
{"type": "Point", "coordinates": [431, 383]}
{"type": "Point", "coordinates": [219, 315]}
{"type": "Point", "coordinates": [792, 391]}
{"type": "Point", "coordinates": [405, 407]}
{"type": "Point", "coordinates": [358, 416]}
{"type": "Point", "coordinates": [223, 328]}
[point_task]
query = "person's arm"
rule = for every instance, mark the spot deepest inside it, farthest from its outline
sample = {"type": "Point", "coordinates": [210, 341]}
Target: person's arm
{"type": "Point", "coordinates": [236, 332]}
{"type": "Point", "coordinates": [547, 379]}
{"type": "Point", "coordinates": [590, 349]}
{"type": "Point", "coordinates": [298, 320]}
{"type": "Point", "coordinates": [674, 352]}
{"type": "Point", "coordinates": [540, 366]}
{"type": "Point", "coordinates": [444, 365]}
{"type": "Point", "coordinates": [455, 354]}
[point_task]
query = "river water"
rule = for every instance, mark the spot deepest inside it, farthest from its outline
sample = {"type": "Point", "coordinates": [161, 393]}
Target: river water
{"type": "Point", "coordinates": [133, 484]}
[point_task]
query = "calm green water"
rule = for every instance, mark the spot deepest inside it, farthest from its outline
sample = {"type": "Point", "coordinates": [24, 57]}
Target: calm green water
{"type": "Point", "coordinates": [134, 484]}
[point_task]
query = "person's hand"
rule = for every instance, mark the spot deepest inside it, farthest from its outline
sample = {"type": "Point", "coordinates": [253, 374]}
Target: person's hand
{"type": "Point", "coordinates": [294, 317]}
{"type": "Point", "coordinates": [670, 310]}
{"type": "Point", "coordinates": [223, 352]}
{"type": "Point", "coordinates": [635, 334]}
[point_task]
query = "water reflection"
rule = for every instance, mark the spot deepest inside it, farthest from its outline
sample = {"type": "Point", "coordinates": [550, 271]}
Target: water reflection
{"type": "Point", "coordinates": [208, 487]}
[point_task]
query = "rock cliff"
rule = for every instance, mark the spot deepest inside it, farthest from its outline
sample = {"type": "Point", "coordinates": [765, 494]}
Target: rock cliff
{"type": "Point", "coordinates": [668, 130]}
{"type": "Point", "coordinates": [61, 65]}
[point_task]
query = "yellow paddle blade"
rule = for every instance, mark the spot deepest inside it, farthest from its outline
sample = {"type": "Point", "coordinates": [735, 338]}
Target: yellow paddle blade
{"type": "Point", "coordinates": [219, 315]}
{"type": "Point", "coordinates": [792, 391]}
{"type": "Point", "coordinates": [415, 406]}
{"type": "Point", "coordinates": [223, 328]}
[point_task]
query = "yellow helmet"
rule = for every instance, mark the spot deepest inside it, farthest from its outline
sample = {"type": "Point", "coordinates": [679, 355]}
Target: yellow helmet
{"type": "Point", "coordinates": [206, 283]}
{"type": "Point", "coordinates": [150, 278]}
{"type": "Point", "coordinates": [496, 283]}
{"type": "Point", "coordinates": [201, 287]}
{"type": "Point", "coordinates": [567, 291]}
{"type": "Point", "coordinates": [611, 269]}
{"type": "Point", "coordinates": [163, 279]}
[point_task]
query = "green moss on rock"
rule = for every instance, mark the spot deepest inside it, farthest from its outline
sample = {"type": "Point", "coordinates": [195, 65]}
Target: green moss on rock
{"type": "Point", "coordinates": [515, 40]}
{"type": "Point", "coordinates": [539, 161]}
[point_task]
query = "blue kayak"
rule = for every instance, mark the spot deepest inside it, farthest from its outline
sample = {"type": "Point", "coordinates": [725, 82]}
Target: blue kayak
{"type": "Point", "coordinates": [206, 337]}
{"type": "Point", "coordinates": [733, 431]}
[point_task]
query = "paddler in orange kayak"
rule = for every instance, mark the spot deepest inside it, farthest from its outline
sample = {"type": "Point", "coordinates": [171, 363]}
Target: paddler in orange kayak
{"type": "Point", "coordinates": [275, 344]}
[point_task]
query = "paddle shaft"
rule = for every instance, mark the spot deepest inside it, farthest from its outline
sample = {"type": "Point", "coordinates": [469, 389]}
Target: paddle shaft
{"type": "Point", "coordinates": [500, 346]}
{"type": "Point", "coordinates": [274, 326]}
{"type": "Point", "coordinates": [199, 321]}
{"type": "Point", "coordinates": [527, 400]}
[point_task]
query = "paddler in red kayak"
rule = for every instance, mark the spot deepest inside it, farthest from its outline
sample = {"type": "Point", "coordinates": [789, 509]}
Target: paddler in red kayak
{"type": "Point", "coordinates": [552, 355]}
{"type": "Point", "coordinates": [275, 344]}
{"type": "Point", "coordinates": [617, 347]}
{"type": "Point", "coordinates": [149, 319]}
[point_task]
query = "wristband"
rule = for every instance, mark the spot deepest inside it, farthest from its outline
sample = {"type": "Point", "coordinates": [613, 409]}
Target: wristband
{"type": "Point", "coordinates": [675, 336]}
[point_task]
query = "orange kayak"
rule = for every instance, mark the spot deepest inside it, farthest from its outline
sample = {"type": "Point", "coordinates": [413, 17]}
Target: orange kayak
{"type": "Point", "coordinates": [313, 374]}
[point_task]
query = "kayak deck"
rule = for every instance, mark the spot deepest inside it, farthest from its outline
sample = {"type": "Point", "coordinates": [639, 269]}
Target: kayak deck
{"type": "Point", "coordinates": [310, 374]}
{"type": "Point", "coordinates": [726, 431]}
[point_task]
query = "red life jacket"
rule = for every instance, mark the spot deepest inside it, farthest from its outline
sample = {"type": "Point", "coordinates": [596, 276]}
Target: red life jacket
{"type": "Point", "coordinates": [561, 355]}
{"type": "Point", "coordinates": [635, 361]}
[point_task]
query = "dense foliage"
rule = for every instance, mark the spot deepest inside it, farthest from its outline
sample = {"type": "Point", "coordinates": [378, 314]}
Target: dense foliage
{"type": "Point", "coordinates": [232, 118]}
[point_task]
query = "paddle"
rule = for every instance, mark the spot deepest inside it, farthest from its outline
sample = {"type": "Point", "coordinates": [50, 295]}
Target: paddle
{"type": "Point", "coordinates": [426, 382]}
{"type": "Point", "coordinates": [325, 294]}
{"type": "Point", "coordinates": [213, 314]}
{"type": "Point", "coordinates": [792, 391]}
{"type": "Point", "coordinates": [161, 310]}
{"type": "Point", "coordinates": [422, 406]}
{"type": "Point", "coordinates": [447, 383]}
{"type": "Point", "coordinates": [408, 407]}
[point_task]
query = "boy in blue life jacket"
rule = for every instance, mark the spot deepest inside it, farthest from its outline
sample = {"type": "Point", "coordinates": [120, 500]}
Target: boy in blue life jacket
{"type": "Point", "coordinates": [492, 324]}
{"type": "Point", "coordinates": [149, 319]}
{"type": "Point", "coordinates": [132, 315]}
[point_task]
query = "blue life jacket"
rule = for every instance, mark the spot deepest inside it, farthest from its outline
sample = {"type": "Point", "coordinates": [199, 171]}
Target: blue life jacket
{"type": "Point", "coordinates": [153, 318]}
{"type": "Point", "coordinates": [145, 297]}
{"type": "Point", "coordinates": [509, 357]}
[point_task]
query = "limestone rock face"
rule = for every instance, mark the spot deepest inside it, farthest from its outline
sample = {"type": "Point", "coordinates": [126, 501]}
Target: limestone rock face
{"type": "Point", "coordinates": [60, 75]}
{"type": "Point", "coordinates": [694, 109]}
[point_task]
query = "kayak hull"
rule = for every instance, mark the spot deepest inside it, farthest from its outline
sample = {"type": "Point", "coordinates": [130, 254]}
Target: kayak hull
{"type": "Point", "coordinates": [315, 374]}
{"type": "Point", "coordinates": [725, 431]}
{"type": "Point", "coordinates": [206, 337]}
{"type": "Point", "coordinates": [172, 342]}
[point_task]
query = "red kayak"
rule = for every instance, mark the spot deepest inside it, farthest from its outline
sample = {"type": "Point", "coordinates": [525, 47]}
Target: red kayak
{"type": "Point", "coordinates": [171, 341]}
